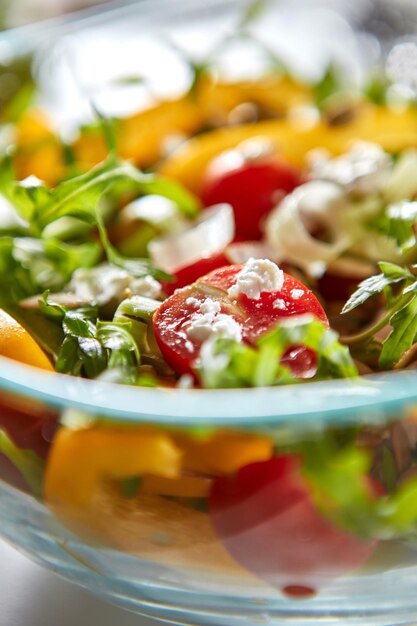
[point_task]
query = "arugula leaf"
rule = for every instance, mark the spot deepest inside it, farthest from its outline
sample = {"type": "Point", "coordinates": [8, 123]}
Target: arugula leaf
{"type": "Point", "coordinates": [402, 336]}
{"type": "Point", "coordinates": [117, 338]}
{"type": "Point", "coordinates": [391, 275]}
{"type": "Point", "coordinates": [137, 267]}
{"type": "Point", "coordinates": [79, 196]}
{"type": "Point", "coordinates": [27, 462]}
{"type": "Point", "coordinates": [397, 222]}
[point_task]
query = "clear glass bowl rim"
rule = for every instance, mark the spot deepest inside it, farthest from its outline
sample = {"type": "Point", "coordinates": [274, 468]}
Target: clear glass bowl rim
{"type": "Point", "coordinates": [367, 399]}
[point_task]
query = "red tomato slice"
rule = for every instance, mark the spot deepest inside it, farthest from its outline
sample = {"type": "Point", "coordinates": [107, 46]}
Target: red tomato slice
{"type": "Point", "coordinates": [189, 274]}
{"type": "Point", "coordinates": [30, 428]}
{"type": "Point", "coordinates": [267, 520]}
{"type": "Point", "coordinates": [173, 318]}
{"type": "Point", "coordinates": [253, 186]}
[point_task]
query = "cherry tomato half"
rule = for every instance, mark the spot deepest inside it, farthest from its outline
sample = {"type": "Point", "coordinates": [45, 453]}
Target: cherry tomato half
{"type": "Point", "coordinates": [267, 520]}
{"type": "Point", "coordinates": [255, 317]}
{"type": "Point", "coordinates": [189, 274]}
{"type": "Point", "coordinates": [253, 186]}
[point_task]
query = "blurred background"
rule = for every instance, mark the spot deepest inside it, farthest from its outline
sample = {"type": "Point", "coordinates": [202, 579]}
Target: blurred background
{"type": "Point", "coordinates": [19, 12]}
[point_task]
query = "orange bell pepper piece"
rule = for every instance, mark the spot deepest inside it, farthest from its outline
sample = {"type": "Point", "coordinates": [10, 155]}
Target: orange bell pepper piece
{"type": "Point", "coordinates": [16, 343]}
{"type": "Point", "coordinates": [80, 460]}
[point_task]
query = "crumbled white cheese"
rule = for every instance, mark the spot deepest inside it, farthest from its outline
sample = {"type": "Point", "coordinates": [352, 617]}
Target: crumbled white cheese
{"type": "Point", "coordinates": [361, 171]}
{"type": "Point", "coordinates": [100, 284]}
{"type": "Point", "coordinates": [279, 304]}
{"type": "Point", "coordinates": [107, 282]}
{"type": "Point", "coordinates": [208, 360]}
{"type": "Point", "coordinates": [257, 276]}
{"type": "Point", "coordinates": [296, 294]}
{"type": "Point", "coordinates": [210, 307]}
{"type": "Point", "coordinates": [146, 286]}
{"type": "Point", "coordinates": [208, 322]}
{"type": "Point", "coordinates": [192, 301]}
{"type": "Point", "coordinates": [185, 382]}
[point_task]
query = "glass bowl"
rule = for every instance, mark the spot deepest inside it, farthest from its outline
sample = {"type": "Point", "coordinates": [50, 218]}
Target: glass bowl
{"type": "Point", "coordinates": [281, 505]}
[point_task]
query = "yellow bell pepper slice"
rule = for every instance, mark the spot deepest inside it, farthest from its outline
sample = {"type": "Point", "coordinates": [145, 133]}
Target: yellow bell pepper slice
{"type": "Point", "coordinates": [16, 343]}
{"type": "Point", "coordinates": [393, 130]}
{"type": "Point", "coordinates": [142, 137]}
{"type": "Point", "coordinates": [38, 149]}
{"type": "Point", "coordinates": [81, 460]}
{"type": "Point", "coordinates": [222, 453]}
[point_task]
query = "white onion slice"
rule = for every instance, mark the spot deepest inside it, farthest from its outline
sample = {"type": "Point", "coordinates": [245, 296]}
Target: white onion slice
{"type": "Point", "coordinates": [288, 235]}
{"type": "Point", "coordinates": [206, 236]}
{"type": "Point", "coordinates": [240, 252]}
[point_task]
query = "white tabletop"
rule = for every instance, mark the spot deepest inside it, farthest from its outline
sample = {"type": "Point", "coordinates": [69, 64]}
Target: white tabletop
{"type": "Point", "coordinates": [32, 596]}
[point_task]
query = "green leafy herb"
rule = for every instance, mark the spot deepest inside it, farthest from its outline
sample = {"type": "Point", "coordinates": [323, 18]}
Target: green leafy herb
{"type": "Point", "coordinates": [226, 363]}
{"type": "Point", "coordinates": [339, 477]}
{"type": "Point", "coordinates": [401, 313]}
{"type": "Point", "coordinates": [391, 275]}
{"type": "Point", "coordinates": [27, 462]}
{"type": "Point", "coordinates": [91, 346]}
{"type": "Point", "coordinates": [402, 336]}
{"type": "Point", "coordinates": [396, 222]}
{"type": "Point", "coordinates": [80, 198]}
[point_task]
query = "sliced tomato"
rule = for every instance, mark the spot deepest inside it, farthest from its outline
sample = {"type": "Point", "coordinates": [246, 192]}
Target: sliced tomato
{"type": "Point", "coordinates": [267, 520]}
{"type": "Point", "coordinates": [29, 427]}
{"type": "Point", "coordinates": [253, 186]}
{"type": "Point", "coordinates": [174, 317]}
{"type": "Point", "coordinates": [189, 274]}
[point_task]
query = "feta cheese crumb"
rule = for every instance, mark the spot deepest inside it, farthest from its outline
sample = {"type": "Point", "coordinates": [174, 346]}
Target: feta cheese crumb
{"type": "Point", "coordinates": [296, 294]}
{"type": "Point", "coordinates": [279, 304]}
{"type": "Point", "coordinates": [257, 276]}
{"type": "Point", "coordinates": [100, 284]}
{"type": "Point", "coordinates": [362, 171]}
{"type": "Point", "coordinates": [106, 282]}
{"type": "Point", "coordinates": [185, 382]}
{"type": "Point", "coordinates": [192, 301]}
{"type": "Point", "coordinates": [209, 361]}
{"type": "Point", "coordinates": [209, 322]}
{"type": "Point", "coordinates": [210, 307]}
{"type": "Point", "coordinates": [146, 286]}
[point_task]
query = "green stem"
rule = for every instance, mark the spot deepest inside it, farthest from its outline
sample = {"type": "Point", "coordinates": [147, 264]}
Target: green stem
{"type": "Point", "coordinates": [363, 336]}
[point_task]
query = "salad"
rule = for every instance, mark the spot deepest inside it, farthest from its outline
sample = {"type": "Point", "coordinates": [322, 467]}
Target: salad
{"type": "Point", "coordinates": [245, 234]}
